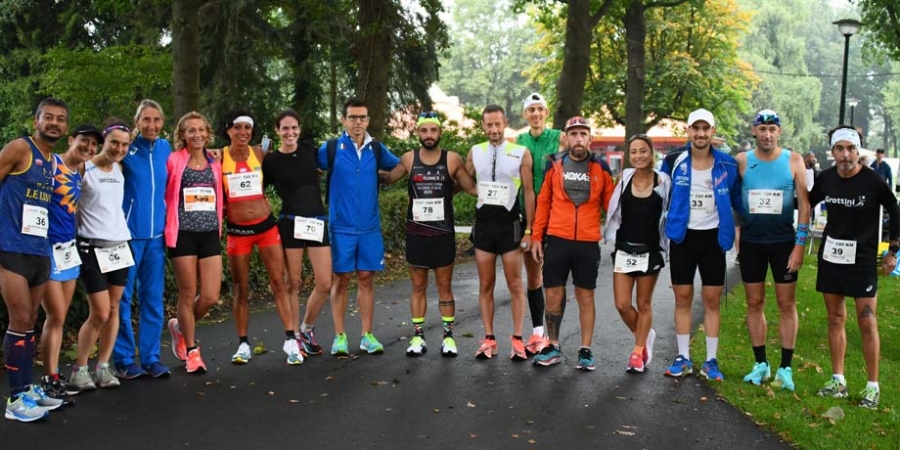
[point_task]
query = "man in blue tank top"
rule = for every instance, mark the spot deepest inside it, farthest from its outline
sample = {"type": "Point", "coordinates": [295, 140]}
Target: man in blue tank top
{"type": "Point", "coordinates": [26, 186]}
{"type": "Point", "coordinates": [772, 177]}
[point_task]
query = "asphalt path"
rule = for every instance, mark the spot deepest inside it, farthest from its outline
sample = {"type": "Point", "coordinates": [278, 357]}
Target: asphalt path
{"type": "Point", "coordinates": [392, 401]}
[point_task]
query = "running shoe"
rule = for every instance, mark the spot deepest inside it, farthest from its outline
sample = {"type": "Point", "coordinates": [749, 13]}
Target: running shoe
{"type": "Point", "coordinates": [82, 379]}
{"type": "Point", "coordinates": [760, 374]}
{"type": "Point", "coordinates": [549, 356]}
{"type": "Point", "coordinates": [179, 347]}
{"type": "Point", "coordinates": [517, 351]}
{"type": "Point", "coordinates": [129, 372]}
{"type": "Point", "coordinates": [370, 345]}
{"type": "Point", "coordinates": [681, 367]}
{"type": "Point", "coordinates": [24, 409]}
{"type": "Point", "coordinates": [242, 355]}
{"type": "Point", "coordinates": [710, 370]}
{"type": "Point", "coordinates": [68, 387]}
{"type": "Point", "coordinates": [487, 349]}
{"type": "Point", "coordinates": [194, 363]}
{"type": "Point", "coordinates": [53, 388]}
{"type": "Point", "coordinates": [41, 398]}
{"type": "Point", "coordinates": [416, 346]}
{"type": "Point", "coordinates": [833, 388]}
{"type": "Point", "coordinates": [339, 346]}
{"type": "Point", "coordinates": [104, 377]}
{"type": "Point", "coordinates": [157, 370]}
{"type": "Point", "coordinates": [635, 363]}
{"type": "Point", "coordinates": [870, 398]}
{"type": "Point", "coordinates": [309, 343]}
{"type": "Point", "coordinates": [448, 347]}
{"type": "Point", "coordinates": [292, 349]}
{"type": "Point", "coordinates": [648, 349]}
{"type": "Point", "coordinates": [535, 344]}
{"type": "Point", "coordinates": [784, 379]}
{"type": "Point", "coordinates": [585, 360]}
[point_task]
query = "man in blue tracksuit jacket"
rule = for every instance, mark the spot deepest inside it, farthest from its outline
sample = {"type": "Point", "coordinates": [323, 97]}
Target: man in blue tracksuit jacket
{"type": "Point", "coordinates": [145, 210]}
{"type": "Point", "coordinates": [700, 225]}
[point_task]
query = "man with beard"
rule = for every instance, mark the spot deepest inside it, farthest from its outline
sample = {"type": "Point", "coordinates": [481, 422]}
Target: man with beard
{"type": "Point", "coordinates": [26, 189]}
{"type": "Point", "coordinates": [771, 177]}
{"type": "Point", "coordinates": [847, 256]}
{"type": "Point", "coordinates": [430, 234]}
{"type": "Point", "coordinates": [576, 191]}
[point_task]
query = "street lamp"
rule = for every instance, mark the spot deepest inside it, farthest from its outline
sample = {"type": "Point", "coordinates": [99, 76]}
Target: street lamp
{"type": "Point", "coordinates": [852, 102]}
{"type": "Point", "coordinates": [848, 27]}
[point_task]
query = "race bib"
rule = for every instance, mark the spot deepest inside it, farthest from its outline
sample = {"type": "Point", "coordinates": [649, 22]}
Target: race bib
{"type": "Point", "coordinates": [309, 229]}
{"type": "Point", "coordinates": [493, 193]}
{"type": "Point", "coordinates": [114, 258]}
{"type": "Point", "coordinates": [199, 199]}
{"type": "Point", "coordinates": [839, 251]}
{"type": "Point", "coordinates": [631, 262]}
{"type": "Point", "coordinates": [765, 201]}
{"type": "Point", "coordinates": [703, 203]}
{"type": "Point", "coordinates": [244, 184]}
{"type": "Point", "coordinates": [428, 209]}
{"type": "Point", "coordinates": [34, 220]}
{"type": "Point", "coordinates": [65, 256]}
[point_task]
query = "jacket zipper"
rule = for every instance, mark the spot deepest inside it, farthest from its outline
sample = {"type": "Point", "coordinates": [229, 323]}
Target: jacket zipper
{"type": "Point", "coordinates": [152, 191]}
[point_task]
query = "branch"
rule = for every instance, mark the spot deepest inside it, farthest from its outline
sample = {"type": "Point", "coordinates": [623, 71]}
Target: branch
{"type": "Point", "coordinates": [595, 18]}
{"type": "Point", "coordinates": [663, 4]}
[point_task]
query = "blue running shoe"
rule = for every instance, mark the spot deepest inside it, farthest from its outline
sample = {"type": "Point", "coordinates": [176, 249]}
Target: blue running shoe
{"type": "Point", "coordinates": [760, 374]}
{"type": "Point", "coordinates": [24, 409]}
{"type": "Point", "coordinates": [784, 379]}
{"type": "Point", "coordinates": [710, 371]}
{"type": "Point", "coordinates": [548, 356]}
{"type": "Point", "coordinates": [129, 372]}
{"type": "Point", "coordinates": [370, 344]}
{"type": "Point", "coordinates": [157, 370]}
{"type": "Point", "coordinates": [339, 346]}
{"type": "Point", "coordinates": [309, 343]}
{"type": "Point", "coordinates": [585, 360]}
{"type": "Point", "coordinates": [681, 367]}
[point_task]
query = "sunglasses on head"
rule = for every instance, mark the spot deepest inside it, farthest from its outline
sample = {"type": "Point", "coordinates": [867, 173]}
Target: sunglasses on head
{"type": "Point", "coordinates": [428, 115]}
{"type": "Point", "coordinates": [767, 119]}
{"type": "Point", "coordinates": [640, 136]}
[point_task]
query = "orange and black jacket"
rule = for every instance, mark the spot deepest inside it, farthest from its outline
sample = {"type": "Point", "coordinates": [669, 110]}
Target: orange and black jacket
{"type": "Point", "coordinates": [556, 215]}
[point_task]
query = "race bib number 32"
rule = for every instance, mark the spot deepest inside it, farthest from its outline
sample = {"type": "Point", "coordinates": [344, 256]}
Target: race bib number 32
{"type": "Point", "coordinates": [764, 201]}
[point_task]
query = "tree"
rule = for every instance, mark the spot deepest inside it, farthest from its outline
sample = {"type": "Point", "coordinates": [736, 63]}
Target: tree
{"type": "Point", "coordinates": [882, 23]}
{"type": "Point", "coordinates": [186, 55]}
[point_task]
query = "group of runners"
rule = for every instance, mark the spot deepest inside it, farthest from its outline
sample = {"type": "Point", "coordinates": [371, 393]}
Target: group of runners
{"type": "Point", "coordinates": [110, 208]}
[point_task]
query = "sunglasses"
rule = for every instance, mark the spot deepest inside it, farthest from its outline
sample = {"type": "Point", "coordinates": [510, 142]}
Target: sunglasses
{"type": "Point", "coordinates": [767, 119]}
{"type": "Point", "coordinates": [640, 136]}
{"type": "Point", "coordinates": [428, 115]}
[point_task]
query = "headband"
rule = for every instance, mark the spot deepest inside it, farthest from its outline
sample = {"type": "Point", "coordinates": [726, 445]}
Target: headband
{"type": "Point", "coordinates": [242, 119]}
{"type": "Point", "coordinates": [845, 134]}
{"type": "Point", "coordinates": [116, 127]}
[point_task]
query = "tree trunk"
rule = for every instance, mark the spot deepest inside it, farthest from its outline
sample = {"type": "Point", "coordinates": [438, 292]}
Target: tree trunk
{"type": "Point", "coordinates": [186, 55]}
{"type": "Point", "coordinates": [373, 52]}
{"type": "Point", "coordinates": [635, 36]}
{"type": "Point", "coordinates": [576, 62]}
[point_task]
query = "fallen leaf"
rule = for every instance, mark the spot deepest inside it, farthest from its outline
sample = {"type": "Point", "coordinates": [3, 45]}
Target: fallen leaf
{"type": "Point", "coordinates": [379, 383]}
{"type": "Point", "coordinates": [294, 401]}
{"type": "Point", "coordinates": [625, 433]}
{"type": "Point", "coordinates": [834, 413]}
{"type": "Point", "coordinates": [470, 405]}
{"type": "Point", "coordinates": [259, 349]}
{"type": "Point", "coordinates": [329, 378]}
{"type": "Point", "coordinates": [532, 441]}
{"type": "Point", "coordinates": [435, 410]}
{"type": "Point", "coordinates": [703, 399]}
{"type": "Point", "coordinates": [271, 392]}
{"type": "Point", "coordinates": [201, 394]}
{"type": "Point", "coordinates": [515, 436]}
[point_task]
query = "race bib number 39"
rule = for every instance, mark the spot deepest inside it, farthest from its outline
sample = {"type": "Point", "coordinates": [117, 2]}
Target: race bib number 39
{"type": "Point", "coordinates": [199, 199]}
{"type": "Point", "coordinates": [35, 221]}
{"type": "Point", "coordinates": [765, 201]}
{"type": "Point", "coordinates": [839, 251]}
{"type": "Point", "coordinates": [631, 262]}
{"type": "Point", "coordinates": [493, 193]}
{"type": "Point", "coordinates": [309, 229]}
{"type": "Point", "coordinates": [114, 258]}
{"type": "Point", "coordinates": [703, 203]}
{"type": "Point", "coordinates": [244, 184]}
{"type": "Point", "coordinates": [428, 209]}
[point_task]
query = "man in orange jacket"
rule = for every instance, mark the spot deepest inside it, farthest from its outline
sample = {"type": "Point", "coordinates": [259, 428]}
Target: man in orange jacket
{"type": "Point", "coordinates": [567, 222]}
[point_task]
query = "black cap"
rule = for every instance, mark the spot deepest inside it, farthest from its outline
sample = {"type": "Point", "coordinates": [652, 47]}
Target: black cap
{"type": "Point", "coordinates": [880, 150]}
{"type": "Point", "coordinates": [89, 130]}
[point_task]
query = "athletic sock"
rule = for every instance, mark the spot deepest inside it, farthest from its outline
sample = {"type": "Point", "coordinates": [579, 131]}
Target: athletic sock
{"type": "Point", "coordinates": [190, 349]}
{"type": "Point", "coordinates": [518, 338]}
{"type": "Point", "coordinates": [15, 350]}
{"type": "Point", "coordinates": [873, 384]}
{"type": "Point", "coordinates": [684, 345]}
{"type": "Point", "coordinates": [289, 334]}
{"type": "Point", "coordinates": [759, 353]}
{"type": "Point", "coordinates": [448, 325]}
{"type": "Point", "coordinates": [304, 328]}
{"type": "Point", "coordinates": [839, 377]}
{"type": "Point", "coordinates": [243, 340]}
{"type": "Point", "coordinates": [536, 306]}
{"type": "Point", "coordinates": [490, 336]}
{"type": "Point", "coordinates": [712, 347]}
{"type": "Point", "coordinates": [27, 375]}
{"type": "Point", "coordinates": [418, 326]}
{"type": "Point", "coordinates": [538, 331]}
{"type": "Point", "coordinates": [787, 356]}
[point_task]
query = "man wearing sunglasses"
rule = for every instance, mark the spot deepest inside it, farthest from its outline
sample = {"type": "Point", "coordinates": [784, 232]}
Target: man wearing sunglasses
{"type": "Point", "coordinates": [771, 178]}
{"type": "Point", "coordinates": [543, 143]}
{"type": "Point", "coordinates": [430, 233]}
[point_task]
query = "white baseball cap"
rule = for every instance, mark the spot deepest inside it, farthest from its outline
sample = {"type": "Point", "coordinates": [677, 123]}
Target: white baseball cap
{"type": "Point", "coordinates": [534, 99]}
{"type": "Point", "coordinates": [701, 114]}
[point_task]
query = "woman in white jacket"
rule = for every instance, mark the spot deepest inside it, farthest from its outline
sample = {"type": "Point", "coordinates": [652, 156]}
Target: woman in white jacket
{"type": "Point", "coordinates": [636, 224]}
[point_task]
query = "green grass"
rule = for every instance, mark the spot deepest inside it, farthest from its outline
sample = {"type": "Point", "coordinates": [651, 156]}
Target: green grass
{"type": "Point", "coordinates": [798, 417]}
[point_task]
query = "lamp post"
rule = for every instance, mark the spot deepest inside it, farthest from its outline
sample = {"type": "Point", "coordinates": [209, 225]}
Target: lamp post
{"type": "Point", "coordinates": [852, 102]}
{"type": "Point", "coordinates": [848, 27]}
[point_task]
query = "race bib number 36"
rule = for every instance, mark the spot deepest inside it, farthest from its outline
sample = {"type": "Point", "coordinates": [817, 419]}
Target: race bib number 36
{"type": "Point", "coordinates": [839, 251]}
{"type": "Point", "coordinates": [244, 184]}
{"type": "Point", "coordinates": [631, 262]}
{"type": "Point", "coordinates": [493, 193]}
{"type": "Point", "coordinates": [114, 258]}
{"type": "Point", "coordinates": [309, 229]}
{"type": "Point", "coordinates": [703, 203]}
{"type": "Point", "coordinates": [765, 201]}
{"type": "Point", "coordinates": [428, 209]}
{"type": "Point", "coordinates": [35, 221]}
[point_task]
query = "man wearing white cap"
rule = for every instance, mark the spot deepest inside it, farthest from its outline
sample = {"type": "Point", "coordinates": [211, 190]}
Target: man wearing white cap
{"type": "Point", "coordinates": [705, 188]}
{"type": "Point", "coordinates": [847, 266]}
{"type": "Point", "coordinates": [771, 178]}
{"type": "Point", "coordinates": [543, 143]}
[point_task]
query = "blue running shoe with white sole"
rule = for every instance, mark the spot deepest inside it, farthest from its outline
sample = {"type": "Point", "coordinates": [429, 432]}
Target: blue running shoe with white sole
{"type": "Point", "coordinates": [585, 360]}
{"type": "Point", "coordinates": [549, 355]}
{"type": "Point", "coordinates": [339, 346]}
{"type": "Point", "coordinates": [710, 371]}
{"type": "Point", "coordinates": [23, 408]}
{"type": "Point", "coordinates": [760, 374]}
{"type": "Point", "coordinates": [370, 345]}
{"type": "Point", "coordinates": [681, 367]}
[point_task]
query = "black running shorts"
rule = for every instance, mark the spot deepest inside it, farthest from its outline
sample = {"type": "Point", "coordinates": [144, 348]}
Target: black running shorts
{"type": "Point", "coordinates": [562, 256]}
{"type": "Point", "coordinates": [756, 259]}
{"type": "Point", "coordinates": [699, 249]}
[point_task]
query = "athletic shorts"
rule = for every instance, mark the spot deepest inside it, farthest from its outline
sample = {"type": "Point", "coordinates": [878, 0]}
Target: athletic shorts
{"type": "Point", "coordinates": [69, 274]}
{"type": "Point", "coordinates": [35, 269]}
{"type": "Point", "coordinates": [430, 252]}
{"type": "Point", "coordinates": [242, 238]}
{"type": "Point", "coordinates": [352, 252]}
{"type": "Point", "coordinates": [93, 279]}
{"type": "Point", "coordinates": [850, 280]}
{"type": "Point", "coordinates": [655, 262]}
{"type": "Point", "coordinates": [757, 258]}
{"type": "Point", "coordinates": [496, 237]}
{"type": "Point", "coordinates": [286, 230]}
{"type": "Point", "coordinates": [562, 256]}
{"type": "Point", "coordinates": [699, 249]}
{"type": "Point", "coordinates": [201, 244]}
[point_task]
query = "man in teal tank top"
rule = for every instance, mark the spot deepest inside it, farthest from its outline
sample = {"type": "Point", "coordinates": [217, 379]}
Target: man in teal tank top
{"type": "Point", "coordinates": [772, 177]}
{"type": "Point", "coordinates": [542, 142]}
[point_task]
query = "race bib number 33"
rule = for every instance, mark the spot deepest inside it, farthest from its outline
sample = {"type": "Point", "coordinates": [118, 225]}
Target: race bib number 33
{"type": "Point", "coordinates": [703, 203]}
